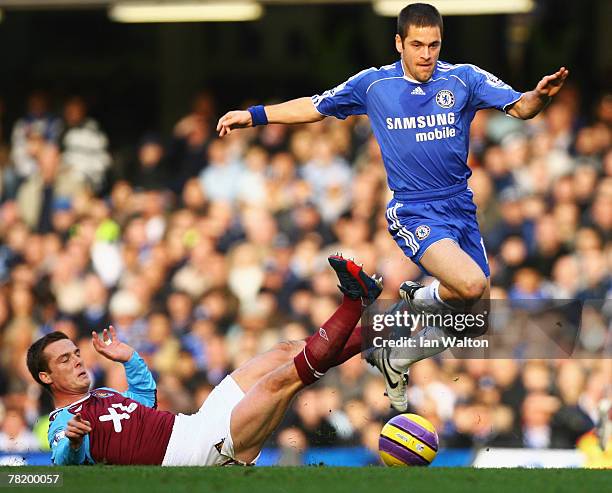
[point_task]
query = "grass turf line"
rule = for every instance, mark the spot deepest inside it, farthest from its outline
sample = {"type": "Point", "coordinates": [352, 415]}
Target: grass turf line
{"type": "Point", "coordinates": [116, 479]}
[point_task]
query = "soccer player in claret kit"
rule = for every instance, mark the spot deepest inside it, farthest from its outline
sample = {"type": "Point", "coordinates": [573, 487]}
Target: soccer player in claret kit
{"type": "Point", "coordinates": [112, 427]}
{"type": "Point", "coordinates": [420, 110]}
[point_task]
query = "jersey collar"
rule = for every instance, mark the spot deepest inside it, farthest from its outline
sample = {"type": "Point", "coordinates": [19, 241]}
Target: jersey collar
{"type": "Point", "coordinates": [70, 405]}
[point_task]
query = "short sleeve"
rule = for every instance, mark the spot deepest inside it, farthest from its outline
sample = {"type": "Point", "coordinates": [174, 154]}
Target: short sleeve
{"type": "Point", "coordinates": [487, 91]}
{"type": "Point", "coordinates": [348, 98]}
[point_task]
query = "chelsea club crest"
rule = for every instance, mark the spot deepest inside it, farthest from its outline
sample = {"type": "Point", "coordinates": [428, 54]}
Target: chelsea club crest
{"type": "Point", "coordinates": [422, 232]}
{"type": "Point", "coordinates": [445, 98]}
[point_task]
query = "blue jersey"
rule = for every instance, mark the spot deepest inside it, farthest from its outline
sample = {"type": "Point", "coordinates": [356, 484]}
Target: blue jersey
{"type": "Point", "coordinates": [141, 389]}
{"type": "Point", "coordinates": [422, 128]}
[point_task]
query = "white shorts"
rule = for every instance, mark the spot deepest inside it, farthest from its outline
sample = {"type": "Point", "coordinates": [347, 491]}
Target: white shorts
{"type": "Point", "coordinates": [203, 438]}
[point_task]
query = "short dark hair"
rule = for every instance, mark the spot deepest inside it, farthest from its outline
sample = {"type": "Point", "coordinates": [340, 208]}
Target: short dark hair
{"type": "Point", "coordinates": [418, 14]}
{"type": "Point", "coordinates": [36, 359]}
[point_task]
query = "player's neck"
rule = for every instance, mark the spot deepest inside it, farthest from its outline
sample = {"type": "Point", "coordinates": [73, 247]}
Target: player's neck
{"type": "Point", "coordinates": [63, 399]}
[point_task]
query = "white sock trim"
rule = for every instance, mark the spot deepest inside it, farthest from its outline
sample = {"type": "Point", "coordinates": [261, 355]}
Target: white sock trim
{"type": "Point", "coordinates": [315, 373]}
{"type": "Point", "coordinates": [427, 299]}
{"type": "Point", "coordinates": [435, 288]}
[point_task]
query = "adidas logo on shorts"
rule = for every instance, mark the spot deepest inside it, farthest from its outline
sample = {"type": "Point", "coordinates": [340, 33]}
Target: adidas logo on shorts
{"type": "Point", "coordinates": [418, 91]}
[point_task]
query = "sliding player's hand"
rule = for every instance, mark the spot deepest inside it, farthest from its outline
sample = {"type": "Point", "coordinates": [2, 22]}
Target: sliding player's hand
{"type": "Point", "coordinates": [76, 430]}
{"type": "Point", "coordinates": [552, 84]}
{"type": "Point", "coordinates": [110, 346]}
{"type": "Point", "coordinates": [232, 120]}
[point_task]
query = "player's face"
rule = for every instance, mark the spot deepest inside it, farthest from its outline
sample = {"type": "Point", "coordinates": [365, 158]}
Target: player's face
{"type": "Point", "coordinates": [420, 51]}
{"type": "Point", "coordinates": [66, 371]}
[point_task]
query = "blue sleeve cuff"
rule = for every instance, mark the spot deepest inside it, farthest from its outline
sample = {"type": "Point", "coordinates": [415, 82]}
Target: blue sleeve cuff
{"type": "Point", "coordinates": [517, 97]}
{"type": "Point", "coordinates": [133, 360]}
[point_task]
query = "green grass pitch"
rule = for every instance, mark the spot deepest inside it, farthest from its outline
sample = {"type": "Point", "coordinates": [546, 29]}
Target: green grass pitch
{"type": "Point", "coordinates": [318, 480]}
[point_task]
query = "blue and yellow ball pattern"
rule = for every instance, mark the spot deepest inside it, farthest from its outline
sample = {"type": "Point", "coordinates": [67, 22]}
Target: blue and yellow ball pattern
{"type": "Point", "coordinates": [408, 440]}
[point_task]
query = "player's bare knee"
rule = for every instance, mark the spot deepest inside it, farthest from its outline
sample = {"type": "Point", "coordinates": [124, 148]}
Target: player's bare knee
{"type": "Point", "coordinates": [290, 349]}
{"type": "Point", "coordinates": [472, 289]}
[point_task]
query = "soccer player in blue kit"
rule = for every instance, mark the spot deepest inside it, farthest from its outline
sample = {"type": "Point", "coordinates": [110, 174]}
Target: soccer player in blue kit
{"type": "Point", "coordinates": [420, 110]}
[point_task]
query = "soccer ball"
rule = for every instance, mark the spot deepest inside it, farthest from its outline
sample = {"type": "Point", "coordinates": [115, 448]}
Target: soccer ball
{"type": "Point", "coordinates": [408, 440]}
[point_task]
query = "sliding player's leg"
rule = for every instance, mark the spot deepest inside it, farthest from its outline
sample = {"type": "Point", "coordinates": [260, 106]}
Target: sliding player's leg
{"type": "Point", "coordinates": [260, 411]}
{"type": "Point", "coordinates": [283, 381]}
{"type": "Point", "coordinates": [261, 365]}
{"type": "Point", "coordinates": [263, 407]}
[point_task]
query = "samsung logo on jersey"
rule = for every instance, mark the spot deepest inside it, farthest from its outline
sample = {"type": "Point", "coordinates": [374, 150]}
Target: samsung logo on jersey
{"type": "Point", "coordinates": [425, 121]}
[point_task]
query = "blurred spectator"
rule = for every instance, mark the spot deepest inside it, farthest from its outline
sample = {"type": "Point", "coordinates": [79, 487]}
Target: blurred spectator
{"type": "Point", "coordinates": [191, 137]}
{"type": "Point", "coordinates": [221, 178]}
{"type": "Point", "coordinates": [329, 177]}
{"type": "Point", "coordinates": [37, 125]}
{"type": "Point", "coordinates": [537, 412]}
{"type": "Point", "coordinates": [15, 435]}
{"type": "Point", "coordinates": [84, 145]}
{"type": "Point", "coordinates": [570, 422]}
{"type": "Point", "coordinates": [51, 186]}
{"type": "Point", "coordinates": [95, 314]}
{"type": "Point", "coordinates": [126, 316]}
{"type": "Point", "coordinates": [150, 171]}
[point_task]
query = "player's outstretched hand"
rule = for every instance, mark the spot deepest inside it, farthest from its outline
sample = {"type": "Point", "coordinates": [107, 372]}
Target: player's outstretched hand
{"type": "Point", "coordinates": [76, 430]}
{"type": "Point", "coordinates": [232, 120]}
{"type": "Point", "coordinates": [110, 346]}
{"type": "Point", "coordinates": [552, 84]}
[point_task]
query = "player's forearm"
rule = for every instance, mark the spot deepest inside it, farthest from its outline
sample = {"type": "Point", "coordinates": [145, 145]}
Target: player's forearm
{"type": "Point", "coordinates": [138, 375]}
{"type": "Point", "coordinates": [530, 104]}
{"type": "Point", "coordinates": [301, 110]}
{"type": "Point", "coordinates": [141, 384]}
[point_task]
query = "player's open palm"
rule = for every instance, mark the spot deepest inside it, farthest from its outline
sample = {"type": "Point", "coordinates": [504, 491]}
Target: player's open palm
{"type": "Point", "coordinates": [110, 346]}
{"type": "Point", "coordinates": [76, 429]}
{"type": "Point", "coordinates": [552, 84]}
{"type": "Point", "coordinates": [232, 120]}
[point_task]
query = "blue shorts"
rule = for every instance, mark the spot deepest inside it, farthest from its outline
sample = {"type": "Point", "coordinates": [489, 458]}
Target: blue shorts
{"type": "Point", "coordinates": [416, 225]}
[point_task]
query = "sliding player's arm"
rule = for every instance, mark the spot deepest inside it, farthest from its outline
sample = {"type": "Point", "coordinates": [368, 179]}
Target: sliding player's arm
{"type": "Point", "coordinates": [141, 385]}
{"type": "Point", "coordinates": [69, 439]}
{"type": "Point", "coordinates": [532, 102]}
{"type": "Point", "coordinates": [346, 99]}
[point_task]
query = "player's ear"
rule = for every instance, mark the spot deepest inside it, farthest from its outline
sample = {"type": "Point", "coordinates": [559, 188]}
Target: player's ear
{"type": "Point", "coordinates": [399, 45]}
{"type": "Point", "coordinates": [45, 377]}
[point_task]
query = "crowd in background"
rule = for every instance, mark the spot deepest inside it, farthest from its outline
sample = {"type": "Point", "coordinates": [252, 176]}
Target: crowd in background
{"type": "Point", "coordinates": [203, 252]}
